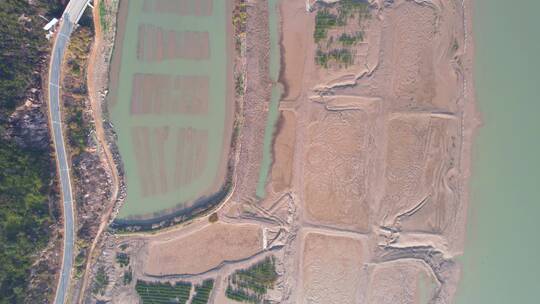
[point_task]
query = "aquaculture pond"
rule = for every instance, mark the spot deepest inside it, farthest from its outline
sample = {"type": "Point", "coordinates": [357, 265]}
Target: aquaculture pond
{"type": "Point", "coordinates": [170, 102]}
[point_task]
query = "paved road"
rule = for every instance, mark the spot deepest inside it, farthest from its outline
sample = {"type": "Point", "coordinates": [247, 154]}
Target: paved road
{"type": "Point", "coordinates": [72, 13]}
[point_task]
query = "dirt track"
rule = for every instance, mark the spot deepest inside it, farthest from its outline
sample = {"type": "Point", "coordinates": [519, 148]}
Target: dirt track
{"type": "Point", "coordinates": [97, 79]}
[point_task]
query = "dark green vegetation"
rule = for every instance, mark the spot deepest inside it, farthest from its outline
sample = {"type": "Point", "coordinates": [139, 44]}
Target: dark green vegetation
{"type": "Point", "coordinates": [250, 285]}
{"type": "Point", "coordinates": [163, 293]}
{"type": "Point", "coordinates": [77, 133]}
{"type": "Point", "coordinates": [101, 281]}
{"type": "Point", "coordinates": [333, 24]}
{"type": "Point", "coordinates": [24, 216]}
{"type": "Point", "coordinates": [22, 48]}
{"type": "Point", "coordinates": [122, 259]}
{"type": "Point", "coordinates": [351, 9]}
{"type": "Point", "coordinates": [128, 276]}
{"type": "Point", "coordinates": [25, 172]}
{"type": "Point", "coordinates": [75, 91]}
{"type": "Point", "coordinates": [202, 292]}
{"type": "Point", "coordinates": [324, 20]}
{"type": "Point", "coordinates": [335, 55]}
{"type": "Point", "coordinates": [80, 262]}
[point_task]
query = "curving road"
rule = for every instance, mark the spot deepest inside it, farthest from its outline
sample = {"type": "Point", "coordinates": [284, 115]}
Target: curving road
{"type": "Point", "coordinates": [71, 16]}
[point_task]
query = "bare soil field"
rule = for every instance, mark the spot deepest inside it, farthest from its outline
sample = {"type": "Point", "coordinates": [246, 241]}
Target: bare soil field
{"type": "Point", "coordinates": [404, 281]}
{"type": "Point", "coordinates": [335, 171]}
{"type": "Point", "coordinates": [219, 243]}
{"type": "Point", "coordinates": [331, 269]}
{"type": "Point", "coordinates": [294, 59]}
{"type": "Point", "coordinates": [283, 152]}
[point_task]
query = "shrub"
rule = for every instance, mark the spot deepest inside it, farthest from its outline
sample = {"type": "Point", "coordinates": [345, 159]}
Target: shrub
{"type": "Point", "coordinates": [324, 20]}
{"type": "Point", "coordinates": [163, 293]}
{"type": "Point", "coordinates": [202, 292]}
{"type": "Point", "coordinates": [250, 285]}
{"type": "Point", "coordinates": [122, 259]}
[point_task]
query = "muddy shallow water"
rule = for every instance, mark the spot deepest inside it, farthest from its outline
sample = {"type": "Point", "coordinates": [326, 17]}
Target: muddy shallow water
{"type": "Point", "coordinates": [273, 114]}
{"type": "Point", "coordinates": [170, 102]}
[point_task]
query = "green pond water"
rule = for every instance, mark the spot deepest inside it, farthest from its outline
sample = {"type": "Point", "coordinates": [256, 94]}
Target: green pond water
{"type": "Point", "coordinates": [273, 112]}
{"type": "Point", "coordinates": [212, 122]}
{"type": "Point", "coordinates": [501, 262]}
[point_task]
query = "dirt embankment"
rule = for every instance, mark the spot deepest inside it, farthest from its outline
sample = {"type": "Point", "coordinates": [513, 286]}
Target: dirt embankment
{"type": "Point", "coordinates": [256, 100]}
{"type": "Point", "coordinates": [100, 168]}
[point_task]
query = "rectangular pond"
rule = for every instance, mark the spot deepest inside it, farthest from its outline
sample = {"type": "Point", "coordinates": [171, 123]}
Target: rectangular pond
{"type": "Point", "coordinates": [171, 102]}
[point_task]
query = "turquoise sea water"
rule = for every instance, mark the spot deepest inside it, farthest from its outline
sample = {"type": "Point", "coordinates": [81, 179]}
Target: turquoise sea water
{"type": "Point", "coordinates": [501, 261]}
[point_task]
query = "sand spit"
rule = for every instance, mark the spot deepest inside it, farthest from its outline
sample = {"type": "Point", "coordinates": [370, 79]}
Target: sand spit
{"type": "Point", "coordinates": [367, 193]}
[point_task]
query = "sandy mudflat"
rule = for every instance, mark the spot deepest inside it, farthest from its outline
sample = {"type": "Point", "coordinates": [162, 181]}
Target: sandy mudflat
{"type": "Point", "coordinates": [367, 192]}
{"type": "Point", "coordinates": [331, 269]}
{"type": "Point", "coordinates": [401, 281]}
{"type": "Point", "coordinates": [382, 147]}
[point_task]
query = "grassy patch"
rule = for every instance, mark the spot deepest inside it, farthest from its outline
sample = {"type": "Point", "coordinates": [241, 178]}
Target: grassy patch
{"type": "Point", "coordinates": [100, 281]}
{"type": "Point", "coordinates": [163, 293]}
{"type": "Point", "coordinates": [75, 90]}
{"type": "Point", "coordinates": [250, 285]}
{"type": "Point", "coordinates": [79, 264]}
{"type": "Point", "coordinates": [128, 276]}
{"type": "Point", "coordinates": [103, 16]}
